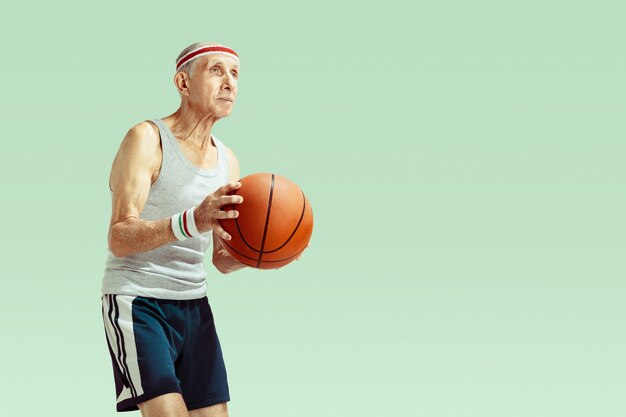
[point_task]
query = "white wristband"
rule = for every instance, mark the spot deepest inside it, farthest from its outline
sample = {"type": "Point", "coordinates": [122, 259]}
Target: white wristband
{"type": "Point", "coordinates": [184, 225]}
{"type": "Point", "coordinates": [191, 222]}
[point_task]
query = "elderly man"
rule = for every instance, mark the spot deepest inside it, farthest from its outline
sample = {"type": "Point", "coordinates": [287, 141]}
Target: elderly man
{"type": "Point", "coordinates": [168, 181]}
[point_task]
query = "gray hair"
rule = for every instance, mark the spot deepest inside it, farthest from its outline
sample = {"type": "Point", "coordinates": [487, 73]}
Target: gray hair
{"type": "Point", "coordinates": [190, 66]}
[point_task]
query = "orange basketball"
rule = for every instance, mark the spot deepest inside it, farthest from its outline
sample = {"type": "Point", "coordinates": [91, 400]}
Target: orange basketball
{"type": "Point", "coordinates": [274, 225]}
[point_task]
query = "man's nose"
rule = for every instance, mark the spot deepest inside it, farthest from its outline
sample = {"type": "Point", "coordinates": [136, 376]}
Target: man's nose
{"type": "Point", "coordinates": [229, 80]}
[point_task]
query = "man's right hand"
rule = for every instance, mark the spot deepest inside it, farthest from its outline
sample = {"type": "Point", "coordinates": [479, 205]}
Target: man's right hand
{"type": "Point", "coordinates": [207, 213]}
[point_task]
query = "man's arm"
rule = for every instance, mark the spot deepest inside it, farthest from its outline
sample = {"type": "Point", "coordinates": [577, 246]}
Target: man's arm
{"type": "Point", "coordinates": [131, 174]}
{"type": "Point", "coordinates": [221, 259]}
{"type": "Point", "coordinates": [138, 158]}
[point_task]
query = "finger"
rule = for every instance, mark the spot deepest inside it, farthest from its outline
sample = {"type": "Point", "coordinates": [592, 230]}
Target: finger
{"type": "Point", "coordinates": [227, 188]}
{"type": "Point", "coordinates": [229, 199]}
{"type": "Point", "coordinates": [223, 214]}
{"type": "Point", "coordinates": [222, 233]}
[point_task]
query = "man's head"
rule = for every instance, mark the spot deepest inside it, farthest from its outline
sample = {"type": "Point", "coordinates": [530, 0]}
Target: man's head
{"type": "Point", "coordinates": [206, 78]}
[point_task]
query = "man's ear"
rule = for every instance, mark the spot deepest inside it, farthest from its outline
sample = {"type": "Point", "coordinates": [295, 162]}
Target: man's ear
{"type": "Point", "coordinates": [181, 80]}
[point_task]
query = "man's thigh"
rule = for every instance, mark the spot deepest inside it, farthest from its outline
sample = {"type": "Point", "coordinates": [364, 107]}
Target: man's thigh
{"type": "Point", "coordinates": [217, 410]}
{"type": "Point", "coordinates": [172, 405]}
{"type": "Point", "coordinates": [166, 405]}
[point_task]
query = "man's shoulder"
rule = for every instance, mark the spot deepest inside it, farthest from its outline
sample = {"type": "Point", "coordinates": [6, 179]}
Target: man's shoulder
{"type": "Point", "coordinates": [228, 150]}
{"type": "Point", "coordinates": [143, 136]}
{"type": "Point", "coordinates": [144, 130]}
{"type": "Point", "coordinates": [233, 163]}
{"type": "Point", "coordinates": [231, 154]}
{"type": "Point", "coordinates": [141, 143]}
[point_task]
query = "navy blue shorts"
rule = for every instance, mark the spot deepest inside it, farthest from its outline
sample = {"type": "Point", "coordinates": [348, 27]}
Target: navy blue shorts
{"type": "Point", "coordinates": [164, 346]}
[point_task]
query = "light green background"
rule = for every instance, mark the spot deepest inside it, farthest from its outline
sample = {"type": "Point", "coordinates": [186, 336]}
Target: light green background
{"type": "Point", "coordinates": [465, 162]}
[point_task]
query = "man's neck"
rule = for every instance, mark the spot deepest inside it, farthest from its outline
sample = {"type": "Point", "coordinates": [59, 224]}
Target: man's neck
{"type": "Point", "coordinates": [192, 127]}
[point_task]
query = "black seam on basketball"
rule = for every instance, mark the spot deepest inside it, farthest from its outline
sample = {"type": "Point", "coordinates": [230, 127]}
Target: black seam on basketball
{"type": "Point", "coordinates": [286, 259]}
{"type": "Point", "coordinates": [297, 226]}
{"type": "Point", "coordinates": [241, 234]}
{"type": "Point", "coordinates": [253, 259]}
{"type": "Point", "coordinates": [236, 251]}
{"type": "Point", "coordinates": [267, 221]}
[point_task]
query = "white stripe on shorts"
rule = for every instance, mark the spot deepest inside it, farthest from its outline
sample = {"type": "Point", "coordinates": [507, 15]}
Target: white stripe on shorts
{"type": "Point", "coordinates": [121, 337]}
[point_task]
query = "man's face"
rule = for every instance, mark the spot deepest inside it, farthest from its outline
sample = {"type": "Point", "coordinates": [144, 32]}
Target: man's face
{"type": "Point", "coordinates": [213, 87]}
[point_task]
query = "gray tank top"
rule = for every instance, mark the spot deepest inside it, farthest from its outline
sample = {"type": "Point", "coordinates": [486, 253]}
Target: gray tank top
{"type": "Point", "coordinates": [176, 270]}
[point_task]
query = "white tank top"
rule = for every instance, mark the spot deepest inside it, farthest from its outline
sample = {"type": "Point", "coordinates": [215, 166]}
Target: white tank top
{"type": "Point", "coordinates": [176, 270]}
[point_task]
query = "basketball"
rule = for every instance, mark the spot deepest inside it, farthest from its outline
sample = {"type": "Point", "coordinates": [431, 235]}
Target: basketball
{"type": "Point", "coordinates": [274, 225]}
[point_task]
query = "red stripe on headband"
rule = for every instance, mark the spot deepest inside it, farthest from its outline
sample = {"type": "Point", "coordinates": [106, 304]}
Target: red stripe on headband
{"type": "Point", "coordinates": [197, 52]}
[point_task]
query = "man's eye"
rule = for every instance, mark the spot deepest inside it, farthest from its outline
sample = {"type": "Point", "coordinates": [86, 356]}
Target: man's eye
{"type": "Point", "coordinates": [215, 68]}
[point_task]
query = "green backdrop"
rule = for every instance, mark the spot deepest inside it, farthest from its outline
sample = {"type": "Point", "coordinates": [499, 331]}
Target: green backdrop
{"type": "Point", "coordinates": [465, 161]}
